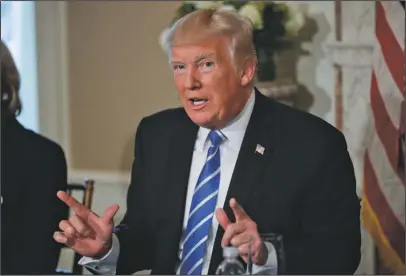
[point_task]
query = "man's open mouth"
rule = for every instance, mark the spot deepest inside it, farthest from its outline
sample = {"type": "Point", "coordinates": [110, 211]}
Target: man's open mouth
{"type": "Point", "coordinates": [197, 101]}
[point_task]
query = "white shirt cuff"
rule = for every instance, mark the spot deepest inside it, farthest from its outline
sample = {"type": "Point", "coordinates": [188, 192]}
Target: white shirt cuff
{"type": "Point", "coordinates": [108, 263]}
{"type": "Point", "coordinates": [271, 265]}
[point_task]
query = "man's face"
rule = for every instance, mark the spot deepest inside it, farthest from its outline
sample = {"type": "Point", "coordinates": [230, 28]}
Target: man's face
{"type": "Point", "coordinates": [210, 89]}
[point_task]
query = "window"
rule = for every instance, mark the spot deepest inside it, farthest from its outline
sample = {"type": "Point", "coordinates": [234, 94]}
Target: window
{"type": "Point", "coordinates": [18, 33]}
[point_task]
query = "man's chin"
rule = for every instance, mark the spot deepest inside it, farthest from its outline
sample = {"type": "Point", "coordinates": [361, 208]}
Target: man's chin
{"type": "Point", "coordinates": [201, 119]}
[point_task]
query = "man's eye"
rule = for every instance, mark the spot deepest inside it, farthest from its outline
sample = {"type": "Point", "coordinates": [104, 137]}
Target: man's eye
{"type": "Point", "coordinates": [178, 67]}
{"type": "Point", "coordinates": [208, 64]}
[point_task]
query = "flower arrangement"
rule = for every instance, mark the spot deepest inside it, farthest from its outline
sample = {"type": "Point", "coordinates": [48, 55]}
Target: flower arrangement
{"type": "Point", "coordinates": [273, 22]}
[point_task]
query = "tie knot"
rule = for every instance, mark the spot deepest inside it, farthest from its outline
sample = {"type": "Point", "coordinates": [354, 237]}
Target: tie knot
{"type": "Point", "coordinates": [216, 138]}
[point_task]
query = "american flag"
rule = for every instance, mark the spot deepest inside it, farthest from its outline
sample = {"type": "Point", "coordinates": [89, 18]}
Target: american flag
{"type": "Point", "coordinates": [383, 202]}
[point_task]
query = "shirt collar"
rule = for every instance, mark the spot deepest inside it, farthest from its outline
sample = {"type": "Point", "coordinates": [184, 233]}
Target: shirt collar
{"type": "Point", "coordinates": [234, 131]}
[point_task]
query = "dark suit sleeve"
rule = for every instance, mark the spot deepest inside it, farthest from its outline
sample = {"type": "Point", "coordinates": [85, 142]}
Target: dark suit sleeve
{"type": "Point", "coordinates": [40, 254]}
{"type": "Point", "coordinates": [330, 241]}
{"type": "Point", "coordinates": [136, 237]}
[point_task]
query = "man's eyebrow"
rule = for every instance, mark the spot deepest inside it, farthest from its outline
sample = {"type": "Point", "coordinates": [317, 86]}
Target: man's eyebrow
{"type": "Point", "coordinates": [197, 59]}
{"type": "Point", "coordinates": [204, 56]}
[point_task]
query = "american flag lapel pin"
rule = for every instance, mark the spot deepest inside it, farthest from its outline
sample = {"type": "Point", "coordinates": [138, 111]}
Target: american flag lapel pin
{"type": "Point", "coordinates": [260, 149]}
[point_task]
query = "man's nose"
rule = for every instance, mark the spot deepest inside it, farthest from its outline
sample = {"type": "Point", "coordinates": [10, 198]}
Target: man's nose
{"type": "Point", "coordinates": [192, 81]}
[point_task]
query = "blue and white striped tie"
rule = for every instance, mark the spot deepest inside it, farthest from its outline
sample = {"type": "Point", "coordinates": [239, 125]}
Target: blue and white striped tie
{"type": "Point", "coordinates": [202, 209]}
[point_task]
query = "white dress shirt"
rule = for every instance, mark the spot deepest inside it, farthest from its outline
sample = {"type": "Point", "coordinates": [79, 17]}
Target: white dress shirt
{"type": "Point", "coordinates": [229, 151]}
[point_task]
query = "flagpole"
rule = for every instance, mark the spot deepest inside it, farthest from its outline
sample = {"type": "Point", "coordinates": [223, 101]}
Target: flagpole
{"type": "Point", "coordinates": [338, 96]}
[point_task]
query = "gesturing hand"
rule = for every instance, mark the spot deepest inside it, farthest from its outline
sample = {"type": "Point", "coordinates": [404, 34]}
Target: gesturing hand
{"type": "Point", "coordinates": [241, 233]}
{"type": "Point", "coordinates": [85, 232]}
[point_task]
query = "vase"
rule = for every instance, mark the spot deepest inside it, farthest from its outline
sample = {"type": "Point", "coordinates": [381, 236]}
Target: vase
{"type": "Point", "coordinates": [283, 91]}
{"type": "Point", "coordinates": [266, 68]}
{"type": "Point", "coordinates": [280, 86]}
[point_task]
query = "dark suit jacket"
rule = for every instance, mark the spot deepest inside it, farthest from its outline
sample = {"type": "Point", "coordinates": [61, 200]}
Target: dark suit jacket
{"type": "Point", "coordinates": [33, 169]}
{"type": "Point", "coordinates": [302, 187]}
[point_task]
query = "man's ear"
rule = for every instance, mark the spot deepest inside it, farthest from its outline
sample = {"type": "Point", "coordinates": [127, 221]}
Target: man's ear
{"type": "Point", "coordinates": [248, 71]}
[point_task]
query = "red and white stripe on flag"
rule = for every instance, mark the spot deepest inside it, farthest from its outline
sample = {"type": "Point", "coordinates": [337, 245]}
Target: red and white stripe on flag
{"type": "Point", "coordinates": [383, 204]}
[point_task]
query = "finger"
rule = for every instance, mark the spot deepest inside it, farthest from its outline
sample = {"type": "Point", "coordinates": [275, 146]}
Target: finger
{"type": "Point", "coordinates": [222, 218]}
{"type": "Point", "coordinates": [61, 237]}
{"type": "Point", "coordinates": [78, 208]}
{"type": "Point", "coordinates": [241, 239]}
{"type": "Point", "coordinates": [231, 231]}
{"type": "Point", "coordinates": [85, 214]}
{"type": "Point", "coordinates": [238, 211]}
{"type": "Point", "coordinates": [253, 244]}
{"type": "Point", "coordinates": [94, 220]}
{"type": "Point", "coordinates": [82, 228]}
{"type": "Point", "coordinates": [243, 249]}
{"type": "Point", "coordinates": [110, 212]}
{"type": "Point", "coordinates": [67, 228]}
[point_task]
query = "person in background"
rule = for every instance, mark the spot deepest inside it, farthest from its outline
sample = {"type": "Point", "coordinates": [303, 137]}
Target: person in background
{"type": "Point", "coordinates": [33, 169]}
{"type": "Point", "coordinates": [226, 169]}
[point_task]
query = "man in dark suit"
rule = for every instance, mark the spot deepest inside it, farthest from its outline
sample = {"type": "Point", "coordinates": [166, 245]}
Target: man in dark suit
{"type": "Point", "coordinates": [33, 169]}
{"type": "Point", "coordinates": [226, 168]}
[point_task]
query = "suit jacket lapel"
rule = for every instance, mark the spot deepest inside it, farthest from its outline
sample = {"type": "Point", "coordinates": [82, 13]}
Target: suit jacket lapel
{"type": "Point", "coordinates": [174, 192]}
{"type": "Point", "coordinates": [250, 164]}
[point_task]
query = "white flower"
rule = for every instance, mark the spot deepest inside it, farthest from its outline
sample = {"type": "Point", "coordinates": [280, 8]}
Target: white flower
{"type": "Point", "coordinates": [253, 14]}
{"type": "Point", "coordinates": [296, 20]}
{"type": "Point", "coordinates": [206, 4]}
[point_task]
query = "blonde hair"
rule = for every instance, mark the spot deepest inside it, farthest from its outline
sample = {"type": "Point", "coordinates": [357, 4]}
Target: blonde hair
{"type": "Point", "coordinates": [10, 82]}
{"type": "Point", "coordinates": [205, 23]}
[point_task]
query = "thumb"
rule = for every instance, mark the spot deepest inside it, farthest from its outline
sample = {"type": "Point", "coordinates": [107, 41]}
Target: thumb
{"type": "Point", "coordinates": [222, 218]}
{"type": "Point", "coordinates": [110, 212]}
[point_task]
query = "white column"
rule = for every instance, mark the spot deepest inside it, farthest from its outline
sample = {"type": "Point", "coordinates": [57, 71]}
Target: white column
{"type": "Point", "coordinates": [354, 54]}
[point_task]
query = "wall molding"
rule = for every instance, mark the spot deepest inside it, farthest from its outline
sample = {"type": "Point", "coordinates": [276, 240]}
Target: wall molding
{"type": "Point", "coordinates": [350, 53]}
{"type": "Point", "coordinates": [101, 177]}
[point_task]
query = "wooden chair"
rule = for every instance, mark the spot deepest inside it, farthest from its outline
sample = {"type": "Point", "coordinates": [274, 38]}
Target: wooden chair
{"type": "Point", "coordinates": [87, 190]}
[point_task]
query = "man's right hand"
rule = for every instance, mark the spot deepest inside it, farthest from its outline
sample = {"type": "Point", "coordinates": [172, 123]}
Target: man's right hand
{"type": "Point", "coordinates": [85, 232]}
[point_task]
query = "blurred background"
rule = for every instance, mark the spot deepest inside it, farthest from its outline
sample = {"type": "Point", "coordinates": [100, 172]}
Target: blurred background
{"type": "Point", "coordinates": [92, 69]}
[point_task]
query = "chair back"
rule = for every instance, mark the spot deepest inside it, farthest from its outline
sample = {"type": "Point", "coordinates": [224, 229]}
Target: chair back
{"type": "Point", "coordinates": [87, 189]}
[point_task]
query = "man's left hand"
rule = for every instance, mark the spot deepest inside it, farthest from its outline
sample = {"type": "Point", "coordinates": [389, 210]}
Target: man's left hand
{"type": "Point", "coordinates": [241, 233]}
